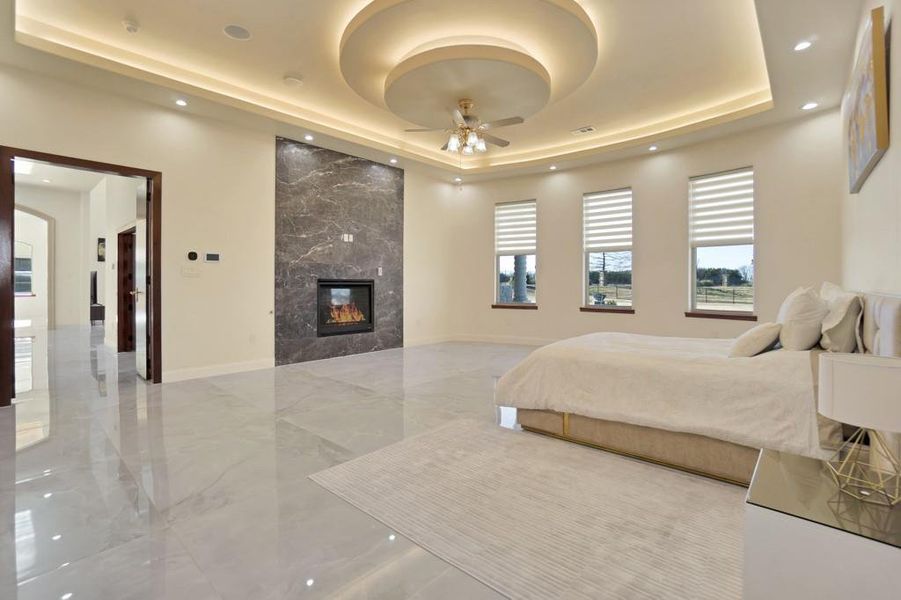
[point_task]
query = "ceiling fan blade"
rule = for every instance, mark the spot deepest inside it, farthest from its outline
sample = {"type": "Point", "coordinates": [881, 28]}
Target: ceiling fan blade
{"type": "Point", "coordinates": [502, 123]}
{"type": "Point", "coordinates": [495, 140]}
{"type": "Point", "coordinates": [458, 117]}
{"type": "Point", "coordinates": [420, 130]}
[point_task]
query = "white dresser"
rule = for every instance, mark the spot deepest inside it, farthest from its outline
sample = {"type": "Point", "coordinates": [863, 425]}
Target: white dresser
{"type": "Point", "coordinates": [806, 540]}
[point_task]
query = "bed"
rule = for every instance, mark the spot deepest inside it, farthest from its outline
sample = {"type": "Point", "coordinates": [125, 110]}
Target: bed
{"type": "Point", "coordinates": [682, 402]}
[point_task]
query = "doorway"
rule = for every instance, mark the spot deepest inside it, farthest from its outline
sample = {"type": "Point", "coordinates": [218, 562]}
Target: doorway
{"type": "Point", "coordinates": [145, 302]}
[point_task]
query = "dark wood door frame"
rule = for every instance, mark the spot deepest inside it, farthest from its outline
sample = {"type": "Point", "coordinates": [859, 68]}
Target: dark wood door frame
{"type": "Point", "coordinates": [154, 266]}
{"type": "Point", "coordinates": [125, 283]}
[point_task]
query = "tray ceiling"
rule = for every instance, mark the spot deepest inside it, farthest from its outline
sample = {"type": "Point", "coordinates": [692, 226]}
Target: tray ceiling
{"type": "Point", "coordinates": [635, 71]}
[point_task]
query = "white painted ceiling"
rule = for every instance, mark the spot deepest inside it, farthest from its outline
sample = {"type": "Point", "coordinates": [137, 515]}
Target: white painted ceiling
{"type": "Point", "coordinates": [667, 72]}
{"type": "Point", "coordinates": [45, 175]}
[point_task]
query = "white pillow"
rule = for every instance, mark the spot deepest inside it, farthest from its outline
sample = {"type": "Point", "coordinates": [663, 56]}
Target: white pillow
{"type": "Point", "coordinates": [801, 315]}
{"type": "Point", "coordinates": [756, 340]}
{"type": "Point", "coordinates": [839, 328]}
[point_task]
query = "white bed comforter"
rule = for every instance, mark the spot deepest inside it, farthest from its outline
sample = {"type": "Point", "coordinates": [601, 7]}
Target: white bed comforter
{"type": "Point", "coordinates": [679, 384]}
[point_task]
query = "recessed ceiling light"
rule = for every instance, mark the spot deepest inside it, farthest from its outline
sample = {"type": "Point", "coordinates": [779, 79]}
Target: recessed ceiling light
{"type": "Point", "coordinates": [809, 106]}
{"type": "Point", "coordinates": [653, 148]}
{"type": "Point", "coordinates": [45, 180]}
{"type": "Point", "coordinates": [392, 537]}
{"type": "Point", "coordinates": [48, 494]}
{"type": "Point", "coordinates": [293, 80]}
{"type": "Point", "coordinates": [236, 32]}
{"type": "Point", "coordinates": [130, 26]}
{"type": "Point", "coordinates": [803, 45]}
{"type": "Point", "coordinates": [181, 102]}
{"type": "Point", "coordinates": [66, 596]}
{"type": "Point", "coordinates": [553, 167]}
{"type": "Point", "coordinates": [308, 137]}
{"type": "Point", "coordinates": [458, 180]}
{"type": "Point", "coordinates": [310, 582]}
{"type": "Point", "coordinates": [56, 537]}
{"type": "Point", "coordinates": [393, 161]}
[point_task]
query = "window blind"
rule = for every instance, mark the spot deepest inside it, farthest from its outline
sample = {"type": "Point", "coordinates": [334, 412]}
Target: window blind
{"type": "Point", "coordinates": [607, 221]}
{"type": "Point", "coordinates": [722, 209]}
{"type": "Point", "coordinates": [515, 228]}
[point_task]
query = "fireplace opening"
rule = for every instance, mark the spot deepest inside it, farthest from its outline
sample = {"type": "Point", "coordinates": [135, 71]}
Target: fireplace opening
{"type": "Point", "coordinates": [344, 306]}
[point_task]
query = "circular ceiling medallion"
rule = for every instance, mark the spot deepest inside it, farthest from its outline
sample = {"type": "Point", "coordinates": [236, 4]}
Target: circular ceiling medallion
{"type": "Point", "coordinates": [416, 58]}
{"type": "Point", "coordinates": [426, 87]}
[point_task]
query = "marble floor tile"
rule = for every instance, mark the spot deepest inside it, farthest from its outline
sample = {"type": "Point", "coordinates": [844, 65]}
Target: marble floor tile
{"type": "Point", "coordinates": [113, 488]}
{"type": "Point", "coordinates": [153, 567]}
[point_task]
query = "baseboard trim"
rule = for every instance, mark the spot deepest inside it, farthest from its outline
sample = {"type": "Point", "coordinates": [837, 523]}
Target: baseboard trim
{"type": "Point", "coordinates": [220, 369]}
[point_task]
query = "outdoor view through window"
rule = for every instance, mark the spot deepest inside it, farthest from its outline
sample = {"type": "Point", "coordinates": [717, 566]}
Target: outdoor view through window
{"type": "Point", "coordinates": [516, 279]}
{"type": "Point", "coordinates": [610, 278]}
{"type": "Point", "coordinates": [725, 278]}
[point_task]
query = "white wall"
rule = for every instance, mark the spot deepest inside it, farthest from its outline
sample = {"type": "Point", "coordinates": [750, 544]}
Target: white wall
{"type": "Point", "coordinates": [70, 281]}
{"type": "Point", "coordinates": [34, 231]}
{"type": "Point", "coordinates": [218, 194]}
{"type": "Point", "coordinates": [97, 229]}
{"type": "Point", "coordinates": [871, 244]}
{"type": "Point", "coordinates": [449, 256]}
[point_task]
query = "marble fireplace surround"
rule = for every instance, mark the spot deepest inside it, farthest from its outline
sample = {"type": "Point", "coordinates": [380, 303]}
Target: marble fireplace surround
{"type": "Point", "coordinates": [321, 196]}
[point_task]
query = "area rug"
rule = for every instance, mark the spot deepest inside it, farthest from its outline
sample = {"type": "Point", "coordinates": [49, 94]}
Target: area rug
{"type": "Point", "coordinates": [535, 517]}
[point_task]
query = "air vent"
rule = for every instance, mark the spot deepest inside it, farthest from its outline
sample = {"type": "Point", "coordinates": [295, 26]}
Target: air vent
{"type": "Point", "coordinates": [584, 130]}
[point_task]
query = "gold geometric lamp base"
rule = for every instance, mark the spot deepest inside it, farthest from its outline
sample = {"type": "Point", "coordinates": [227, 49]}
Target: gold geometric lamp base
{"type": "Point", "coordinates": [854, 470]}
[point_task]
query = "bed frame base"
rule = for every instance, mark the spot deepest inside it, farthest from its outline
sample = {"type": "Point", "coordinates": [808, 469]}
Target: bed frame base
{"type": "Point", "coordinates": [696, 454]}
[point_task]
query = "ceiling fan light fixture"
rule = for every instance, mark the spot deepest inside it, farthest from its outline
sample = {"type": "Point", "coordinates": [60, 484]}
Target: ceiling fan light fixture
{"type": "Point", "coordinates": [481, 146]}
{"type": "Point", "coordinates": [453, 143]}
{"type": "Point", "coordinates": [472, 138]}
{"type": "Point", "coordinates": [467, 150]}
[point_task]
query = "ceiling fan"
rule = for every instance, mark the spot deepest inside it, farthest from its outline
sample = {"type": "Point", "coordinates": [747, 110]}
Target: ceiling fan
{"type": "Point", "coordinates": [467, 135]}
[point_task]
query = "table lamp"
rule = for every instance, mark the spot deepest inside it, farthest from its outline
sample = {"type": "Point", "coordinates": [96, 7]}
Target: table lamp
{"type": "Point", "coordinates": [864, 391]}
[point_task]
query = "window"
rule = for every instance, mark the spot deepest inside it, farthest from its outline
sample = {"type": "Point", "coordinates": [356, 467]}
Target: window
{"type": "Point", "coordinates": [722, 241]}
{"type": "Point", "coordinates": [515, 244]}
{"type": "Point", "coordinates": [607, 238]}
{"type": "Point", "coordinates": [22, 269]}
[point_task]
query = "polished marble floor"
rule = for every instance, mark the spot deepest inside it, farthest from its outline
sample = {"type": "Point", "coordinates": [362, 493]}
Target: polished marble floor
{"type": "Point", "coordinates": [111, 488]}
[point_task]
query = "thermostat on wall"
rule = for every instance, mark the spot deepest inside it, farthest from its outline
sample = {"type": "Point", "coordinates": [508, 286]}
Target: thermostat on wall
{"type": "Point", "coordinates": [211, 257]}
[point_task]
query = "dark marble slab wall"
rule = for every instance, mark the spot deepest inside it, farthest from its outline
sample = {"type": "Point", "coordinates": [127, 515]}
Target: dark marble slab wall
{"type": "Point", "coordinates": [319, 196]}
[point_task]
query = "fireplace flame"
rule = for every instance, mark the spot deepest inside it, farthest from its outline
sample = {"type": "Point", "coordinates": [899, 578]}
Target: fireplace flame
{"type": "Point", "coordinates": [345, 313]}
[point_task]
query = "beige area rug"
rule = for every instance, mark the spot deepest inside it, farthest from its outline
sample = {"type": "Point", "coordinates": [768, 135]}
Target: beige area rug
{"type": "Point", "coordinates": [535, 517]}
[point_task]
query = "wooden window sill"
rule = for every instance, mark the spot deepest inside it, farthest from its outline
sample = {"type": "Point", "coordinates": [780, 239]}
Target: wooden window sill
{"type": "Point", "coordinates": [516, 306]}
{"type": "Point", "coordinates": [730, 316]}
{"type": "Point", "coordinates": [626, 310]}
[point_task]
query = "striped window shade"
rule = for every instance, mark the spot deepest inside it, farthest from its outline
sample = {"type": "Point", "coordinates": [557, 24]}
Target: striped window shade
{"type": "Point", "coordinates": [515, 228]}
{"type": "Point", "coordinates": [722, 209]}
{"type": "Point", "coordinates": [607, 221]}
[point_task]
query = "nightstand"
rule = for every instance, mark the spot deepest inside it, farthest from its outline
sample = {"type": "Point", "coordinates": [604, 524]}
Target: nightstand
{"type": "Point", "coordinates": [805, 539]}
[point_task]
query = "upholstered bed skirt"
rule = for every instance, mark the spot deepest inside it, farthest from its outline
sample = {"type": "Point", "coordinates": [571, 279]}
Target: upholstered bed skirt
{"type": "Point", "coordinates": [686, 451]}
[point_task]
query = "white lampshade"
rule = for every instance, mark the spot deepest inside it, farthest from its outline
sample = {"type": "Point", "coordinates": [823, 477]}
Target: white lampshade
{"type": "Point", "coordinates": [472, 139]}
{"type": "Point", "coordinates": [467, 149]}
{"type": "Point", "coordinates": [453, 143]}
{"type": "Point", "coordinates": [861, 390]}
{"type": "Point", "coordinates": [480, 146]}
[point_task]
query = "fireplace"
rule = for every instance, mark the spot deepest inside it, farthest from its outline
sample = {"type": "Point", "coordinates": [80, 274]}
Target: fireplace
{"type": "Point", "coordinates": [344, 306]}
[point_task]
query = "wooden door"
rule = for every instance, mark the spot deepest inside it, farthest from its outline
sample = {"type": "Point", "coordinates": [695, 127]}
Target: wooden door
{"type": "Point", "coordinates": [125, 286]}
